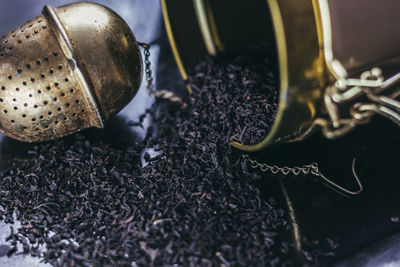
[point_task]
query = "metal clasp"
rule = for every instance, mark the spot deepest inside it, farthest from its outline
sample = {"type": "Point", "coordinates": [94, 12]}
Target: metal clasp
{"type": "Point", "coordinates": [347, 92]}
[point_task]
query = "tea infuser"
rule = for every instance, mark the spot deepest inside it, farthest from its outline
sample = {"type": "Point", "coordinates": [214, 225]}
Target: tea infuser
{"type": "Point", "coordinates": [66, 70]}
{"type": "Point", "coordinates": [69, 69]}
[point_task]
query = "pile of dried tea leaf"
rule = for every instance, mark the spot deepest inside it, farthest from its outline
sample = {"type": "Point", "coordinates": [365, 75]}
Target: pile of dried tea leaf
{"type": "Point", "coordinates": [195, 203]}
{"type": "Point", "coordinates": [243, 91]}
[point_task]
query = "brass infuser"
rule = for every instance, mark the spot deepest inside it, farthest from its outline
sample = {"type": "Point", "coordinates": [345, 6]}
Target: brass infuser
{"type": "Point", "coordinates": [66, 70]}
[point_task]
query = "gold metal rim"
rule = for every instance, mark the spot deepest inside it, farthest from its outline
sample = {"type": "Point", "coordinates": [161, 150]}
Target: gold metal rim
{"type": "Point", "coordinates": [324, 19]}
{"type": "Point", "coordinates": [172, 42]}
{"type": "Point", "coordinates": [67, 49]}
{"type": "Point", "coordinates": [283, 75]}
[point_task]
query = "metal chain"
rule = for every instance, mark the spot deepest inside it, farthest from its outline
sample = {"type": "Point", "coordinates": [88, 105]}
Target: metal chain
{"type": "Point", "coordinates": [162, 94]}
{"type": "Point", "coordinates": [296, 171]}
{"type": "Point", "coordinates": [372, 85]}
{"type": "Point", "coordinates": [311, 168]}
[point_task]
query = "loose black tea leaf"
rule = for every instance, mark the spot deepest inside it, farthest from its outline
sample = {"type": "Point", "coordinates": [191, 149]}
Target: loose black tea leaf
{"type": "Point", "coordinates": [195, 202]}
{"type": "Point", "coordinates": [243, 88]}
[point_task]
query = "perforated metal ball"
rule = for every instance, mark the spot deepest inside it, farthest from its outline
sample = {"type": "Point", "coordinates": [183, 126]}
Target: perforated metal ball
{"type": "Point", "coordinates": [66, 70]}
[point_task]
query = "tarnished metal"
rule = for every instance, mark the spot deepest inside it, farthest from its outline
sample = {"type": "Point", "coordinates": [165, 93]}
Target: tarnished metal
{"type": "Point", "coordinates": [66, 70]}
{"type": "Point", "coordinates": [321, 45]}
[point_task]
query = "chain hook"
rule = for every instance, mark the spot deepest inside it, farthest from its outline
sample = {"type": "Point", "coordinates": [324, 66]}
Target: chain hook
{"type": "Point", "coordinates": [336, 187]}
{"type": "Point", "coordinates": [311, 168]}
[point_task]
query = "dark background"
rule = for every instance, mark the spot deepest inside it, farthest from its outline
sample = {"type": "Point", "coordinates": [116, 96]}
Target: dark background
{"type": "Point", "coordinates": [364, 227]}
